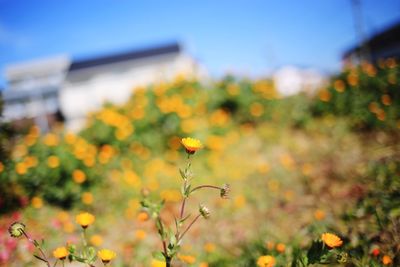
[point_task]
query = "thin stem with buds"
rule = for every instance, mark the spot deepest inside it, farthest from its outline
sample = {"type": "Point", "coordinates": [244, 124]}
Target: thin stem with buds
{"type": "Point", "coordinates": [36, 244]}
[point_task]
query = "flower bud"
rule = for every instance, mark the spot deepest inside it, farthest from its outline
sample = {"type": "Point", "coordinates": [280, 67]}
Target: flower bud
{"type": "Point", "coordinates": [16, 229]}
{"type": "Point", "coordinates": [204, 211]}
{"type": "Point", "coordinates": [225, 190]}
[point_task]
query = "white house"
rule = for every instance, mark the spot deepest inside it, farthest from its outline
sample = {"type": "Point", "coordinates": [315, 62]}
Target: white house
{"type": "Point", "coordinates": [72, 88]}
{"type": "Point", "coordinates": [290, 80]}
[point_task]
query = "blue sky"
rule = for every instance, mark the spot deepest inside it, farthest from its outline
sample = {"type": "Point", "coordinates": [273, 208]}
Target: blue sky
{"type": "Point", "coordinates": [246, 36]}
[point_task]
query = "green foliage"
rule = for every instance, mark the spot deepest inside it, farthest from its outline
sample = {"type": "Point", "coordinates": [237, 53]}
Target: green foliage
{"type": "Point", "coordinates": [368, 95]}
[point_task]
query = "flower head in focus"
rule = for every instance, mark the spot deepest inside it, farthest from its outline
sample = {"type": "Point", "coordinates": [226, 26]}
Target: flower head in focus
{"type": "Point", "coordinates": [60, 253]}
{"type": "Point", "coordinates": [191, 145]}
{"type": "Point", "coordinates": [106, 255]}
{"type": "Point", "coordinates": [85, 219]}
{"type": "Point", "coordinates": [266, 261]}
{"type": "Point", "coordinates": [331, 240]}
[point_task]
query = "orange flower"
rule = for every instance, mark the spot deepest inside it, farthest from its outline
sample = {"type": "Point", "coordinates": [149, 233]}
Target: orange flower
{"type": "Point", "coordinates": [191, 145]}
{"type": "Point", "coordinates": [319, 215]}
{"type": "Point", "coordinates": [387, 260]}
{"type": "Point", "coordinates": [142, 216]}
{"type": "Point", "coordinates": [331, 240]}
{"type": "Point", "coordinates": [187, 259]}
{"type": "Point", "coordinates": [78, 176]}
{"type": "Point", "coordinates": [280, 247]}
{"type": "Point", "coordinates": [266, 261]}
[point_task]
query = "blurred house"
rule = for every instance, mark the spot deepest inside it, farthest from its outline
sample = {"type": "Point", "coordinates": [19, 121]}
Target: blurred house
{"type": "Point", "coordinates": [290, 80]}
{"type": "Point", "coordinates": [384, 44]}
{"type": "Point", "coordinates": [32, 91]}
{"type": "Point", "coordinates": [66, 89]}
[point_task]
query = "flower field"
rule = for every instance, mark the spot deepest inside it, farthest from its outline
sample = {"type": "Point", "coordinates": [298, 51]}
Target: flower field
{"type": "Point", "coordinates": [313, 179]}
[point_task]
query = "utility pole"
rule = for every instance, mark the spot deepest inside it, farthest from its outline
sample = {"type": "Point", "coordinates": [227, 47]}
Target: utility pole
{"type": "Point", "coordinates": [363, 52]}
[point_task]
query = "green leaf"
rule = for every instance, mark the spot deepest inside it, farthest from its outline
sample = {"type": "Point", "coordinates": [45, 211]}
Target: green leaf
{"type": "Point", "coordinates": [39, 258]}
{"type": "Point", "coordinates": [183, 175]}
{"type": "Point", "coordinates": [158, 255]}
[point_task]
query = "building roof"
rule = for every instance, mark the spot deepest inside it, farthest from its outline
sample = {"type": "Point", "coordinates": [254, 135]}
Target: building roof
{"type": "Point", "coordinates": [385, 38]}
{"type": "Point", "coordinates": [125, 56]}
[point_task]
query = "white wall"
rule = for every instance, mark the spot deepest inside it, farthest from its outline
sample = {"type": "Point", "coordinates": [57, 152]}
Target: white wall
{"type": "Point", "coordinates": [88, 89]}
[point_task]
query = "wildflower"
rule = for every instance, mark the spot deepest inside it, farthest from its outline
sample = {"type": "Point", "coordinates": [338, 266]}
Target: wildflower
{"type": "Point", "coordinates": [209, 247]}
{"type": "Point", "coordinates": [191, 145]}
{"type": "Point", "coordinates": [1, 167]}
{"type": "Point", "coordinates": [87, 198]}
{"type": "Point", "coordinates": [85, 219]}
{"type": "Point", "coordinates": [387, 260]}
{"type": "Point", "coordinates": [280, 247]}
{"type": "Point", "coordinates": [157, 263]}
{"type": "Point", "coordinates": [319, 215]}
{"type": "Point", "coordinates": [78, 176]}
{"type": "Point", "coordinates": [266, 261]}
{"type": "Point", "coordinates": [60, 253]}
{"type": "Point", "coordinates": [37, 202]}
{"type": "Point", "coordinates": [225, 190]}
{"type": "Point", "coordinates": [53, 162]}
{"type": "Point", "coordinates": [106, 255]}
{"type": "Point", "coordinates": [375, 252]}
{"type": "Point", "coordinates": [204, 211]}
{"type": "Point", "coordinates": [21, 168]}
{"type": "Point", "coordinates": [140, 234]}
{"type": "Point", "coordinates": [331, 240]}
{"type": "Point", "coordinates": [96, 240]}
{"type": "Point", "coordinates": [142, 216]}
{"type": "Point", "coordinates": [187, 259]}
{"type": "Point", "coordinates": [16, 229]}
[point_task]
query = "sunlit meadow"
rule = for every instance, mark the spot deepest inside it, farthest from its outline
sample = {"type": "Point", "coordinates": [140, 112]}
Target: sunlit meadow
{"type": "Point", "coordinates": [313, 179]}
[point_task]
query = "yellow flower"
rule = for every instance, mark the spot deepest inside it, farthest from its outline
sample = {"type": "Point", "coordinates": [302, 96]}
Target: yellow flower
{"type": "Point", "coordinates": [387, 260]}
{"type": "Point", "coordinates": [266, 261]}
{"type": "Point", "coordinates": [157, 263]}
{"type": "Point", "coordinates": [60, 253]}
{"type": "Point", "coordinates": [191, 145]}
{"type": "Point", "coordinates": [331, 240]}
{"type": "Point", "coordinates": [106, 255]}
{"type": "Point", "coordinates": [53, 162]}
{"type": "Point", "coordinates": [1, 167]}
{"type": "Point", "coordinates": [85, 219]}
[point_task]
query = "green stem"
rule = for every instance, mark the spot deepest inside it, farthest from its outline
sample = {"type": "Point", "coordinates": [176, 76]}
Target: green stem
{"type": "Point", "coordinates": [205, 186]}
{"type": "Point", "coordinates": [36, 244]}
{"type": "Point", "coordinates": [190, 225]}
